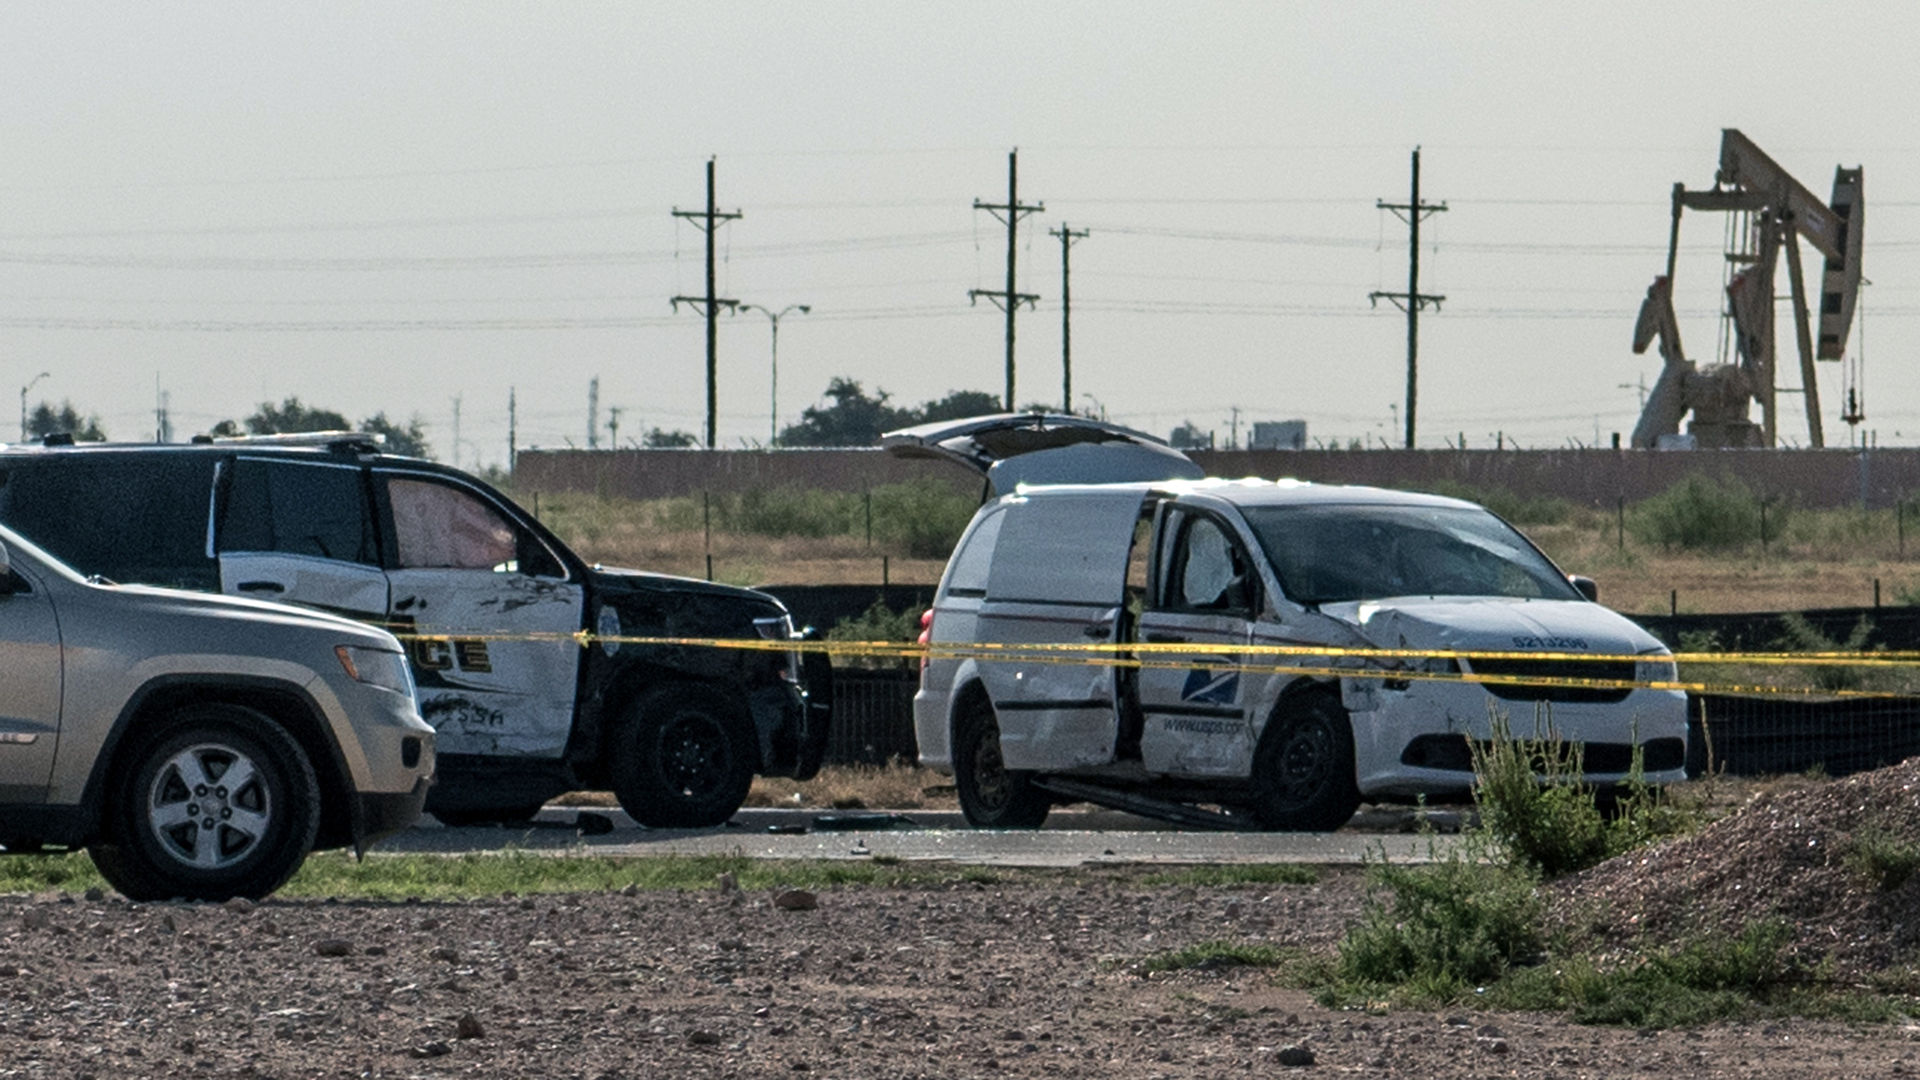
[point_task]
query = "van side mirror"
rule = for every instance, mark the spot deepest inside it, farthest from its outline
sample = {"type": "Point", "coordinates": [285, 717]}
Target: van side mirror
{"type": "Point", "coordinates": [1586, 587]}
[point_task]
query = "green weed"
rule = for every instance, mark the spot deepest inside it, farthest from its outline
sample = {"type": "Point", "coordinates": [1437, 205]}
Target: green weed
{"type": "Point", "coordinates": [1799, 635]}
{"type": "Point", "coordinates": [1535, 803]}
{"type": "Point", "coordinates": [1437, 930]}
{"type": "Point", "coordinates": [877, 623]}
{"type": "Point", "coordinates": [1883, 858]}
{"type": "Point", "coordinates": [1701, 514]}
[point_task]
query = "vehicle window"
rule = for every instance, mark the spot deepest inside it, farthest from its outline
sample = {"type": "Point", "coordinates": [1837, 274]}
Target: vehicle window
{"type": "Point", "coordinates": [1208, 572]}
{"type": "Point", "coordinates": [1334, 554]}
{"type": "Point", "coordinates": [129, 518]}
{"type": "Point", "coordinates": [435, 525]}
{"type": "Point", "coordinates": [975, 558]}
{"type": "Point", "coordinates": [298, 508]}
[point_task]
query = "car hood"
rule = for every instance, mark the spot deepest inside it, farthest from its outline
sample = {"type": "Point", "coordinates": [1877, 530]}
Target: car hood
{"type": "Point", "coordinates": [1493, 624]}
{"type": "Point", "coordinates": [621, 580]}
{"type": "Point", "coordinates": [179, 603]}
{"type": "Point", "coordinates": [1010, 449]}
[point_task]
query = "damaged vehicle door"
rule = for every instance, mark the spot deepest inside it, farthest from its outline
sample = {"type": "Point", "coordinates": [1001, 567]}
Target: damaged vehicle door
{"type": "Point", "coordinates": [1206, 591]}
{"type": "Point", "coordinates": [506, 608]}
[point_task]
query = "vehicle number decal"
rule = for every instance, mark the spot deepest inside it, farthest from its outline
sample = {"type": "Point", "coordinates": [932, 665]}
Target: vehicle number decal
{"type": "Point", "coordinates": [1562, 644]}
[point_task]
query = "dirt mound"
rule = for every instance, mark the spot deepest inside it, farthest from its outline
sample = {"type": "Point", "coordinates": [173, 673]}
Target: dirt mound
{"type": "Point", "coordinates": [1782, 855]}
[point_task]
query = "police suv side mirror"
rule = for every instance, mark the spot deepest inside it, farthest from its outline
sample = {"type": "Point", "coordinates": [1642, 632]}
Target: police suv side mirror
{"type": "Point", "coordinates": [1586, 587]}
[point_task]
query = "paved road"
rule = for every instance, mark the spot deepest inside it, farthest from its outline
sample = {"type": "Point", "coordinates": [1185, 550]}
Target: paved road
{"type": "Point", "coordinates": [1071, 838]}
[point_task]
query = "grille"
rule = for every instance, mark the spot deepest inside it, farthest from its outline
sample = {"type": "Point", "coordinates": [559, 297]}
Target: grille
{"type": "Point", "coordinates": [1527, 668]}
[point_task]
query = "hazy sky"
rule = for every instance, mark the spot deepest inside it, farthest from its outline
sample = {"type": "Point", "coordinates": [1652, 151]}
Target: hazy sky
{"type": "Point", "coordinates": [391, 206]}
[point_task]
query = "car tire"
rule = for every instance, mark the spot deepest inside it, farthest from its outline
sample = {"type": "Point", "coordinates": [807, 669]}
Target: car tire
{"type": "Point", "coordinates": [683, 758]}
{"type": "Point", "coordinates": [992, 796]}
{"type": "Point", "coordinates": [218, 802]}
{"type": "Point", "coordinates": [1303, 768]}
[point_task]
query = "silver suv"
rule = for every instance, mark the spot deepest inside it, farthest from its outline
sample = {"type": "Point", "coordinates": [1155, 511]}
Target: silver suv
{"type": "Point", "coordinates": [197, 746]}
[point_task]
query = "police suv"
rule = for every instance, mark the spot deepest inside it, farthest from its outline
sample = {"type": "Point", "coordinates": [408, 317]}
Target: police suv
{"type": "Point", "coordinates": [1438, 619]}
{"type": "Point", "coordinates": [490, 603]}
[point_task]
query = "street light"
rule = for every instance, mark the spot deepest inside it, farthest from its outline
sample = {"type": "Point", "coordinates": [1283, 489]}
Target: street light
{"type": "Point", "coordinates": [23, 403]}
{"type": "Point", "coordinates": [773, 419]}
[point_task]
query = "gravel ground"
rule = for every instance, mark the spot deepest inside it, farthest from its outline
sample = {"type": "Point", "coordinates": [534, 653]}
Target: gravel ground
{"type": "Point", "coordinates": [1026, 977]}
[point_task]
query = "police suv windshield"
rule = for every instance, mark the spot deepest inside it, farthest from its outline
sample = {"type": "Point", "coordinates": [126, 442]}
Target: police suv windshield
{"type": "Point", "coordinates": [1331, 554]}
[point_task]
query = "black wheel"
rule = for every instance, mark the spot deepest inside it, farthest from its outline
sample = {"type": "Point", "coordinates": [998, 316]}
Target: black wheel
{"type": "Point", "coordinates": [217, 803]}
{"type": "Point", "coordinates": [683, 759]}
{"type": "Point", "coordinates": [1303, 768]}
{"type": "Point", "coordinates": [992, 796]}
{"type": "Point", "coordinates": [492, 815]}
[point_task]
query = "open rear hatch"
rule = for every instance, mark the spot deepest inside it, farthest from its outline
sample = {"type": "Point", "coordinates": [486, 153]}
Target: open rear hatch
{"type": "Point", "coordinates": [1010, 449]}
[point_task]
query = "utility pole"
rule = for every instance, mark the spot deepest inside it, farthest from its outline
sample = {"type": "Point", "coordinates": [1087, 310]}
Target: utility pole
{"type": "Point", "coordinates": [593, 413]}
{"type": "Point", "coordinates": [1411, 301]}
{"type": "Point", "coordinates": [513, 431]}
{"type": "Point", "coordinates": [613, 427]}
{"type": "Point", "coordinates": [708, 221]}
{"type": "Point", "coordinates": [1009, 301]}
{"type": "Point", "coordinates": [1067, 237]}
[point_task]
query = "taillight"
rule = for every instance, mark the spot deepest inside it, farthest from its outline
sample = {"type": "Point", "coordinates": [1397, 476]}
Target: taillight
{"type": "Point", "coordinates": [926, 635]}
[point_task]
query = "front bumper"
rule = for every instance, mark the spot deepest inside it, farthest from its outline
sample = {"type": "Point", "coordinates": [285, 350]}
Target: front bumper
{"type": "Point", "coordinates": [1412, 741]}
{"type": "Point", "coordinates": [380, 814]}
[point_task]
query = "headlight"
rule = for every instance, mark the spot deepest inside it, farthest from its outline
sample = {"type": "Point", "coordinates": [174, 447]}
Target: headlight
{"type": "Point", "coordinates": [1656, 667]}
{"type": "Point", "coordinates": [376, 667]}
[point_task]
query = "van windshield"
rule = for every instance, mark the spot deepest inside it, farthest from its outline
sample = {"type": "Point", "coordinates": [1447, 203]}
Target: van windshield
{"type": "Point", "coordinates": [1333, 554]}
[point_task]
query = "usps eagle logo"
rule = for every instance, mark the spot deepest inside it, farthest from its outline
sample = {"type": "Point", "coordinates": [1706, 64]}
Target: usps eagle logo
{"type": "Point", "coordinates": [1212, 687]}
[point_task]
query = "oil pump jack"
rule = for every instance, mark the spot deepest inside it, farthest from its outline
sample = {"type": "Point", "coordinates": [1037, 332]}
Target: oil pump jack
{"type": "Point", "coordinates": [1778, 213]}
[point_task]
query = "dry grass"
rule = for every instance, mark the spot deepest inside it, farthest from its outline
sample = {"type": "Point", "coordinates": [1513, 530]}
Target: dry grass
{"type": "Point", "coordinates": [1819, 564]}
{"type": "Point", "coordinates": [894, 786]}
{"type": "Point", "coordinates": [1819, 559]}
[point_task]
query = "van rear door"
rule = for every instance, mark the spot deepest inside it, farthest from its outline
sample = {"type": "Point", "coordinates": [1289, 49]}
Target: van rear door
{"type": "Point", "coordinates": [1058, 577]}
{"type": "Point", "coordinates": [1010, 449]}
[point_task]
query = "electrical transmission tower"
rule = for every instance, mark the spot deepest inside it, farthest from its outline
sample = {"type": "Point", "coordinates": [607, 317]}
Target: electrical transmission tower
{"type": "Point", "coordinates": [1411, 301]}
{"type": "Point", "coordinates": [708, 221]}
{"type": "Point", "coordinates": [1067, 237]}
{"type": "Point", "coordinates": [1009, 301]}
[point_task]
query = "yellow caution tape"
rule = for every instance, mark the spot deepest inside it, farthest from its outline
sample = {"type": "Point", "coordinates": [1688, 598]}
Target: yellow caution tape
{"type": "Point", "coordinates": [1352, 663]}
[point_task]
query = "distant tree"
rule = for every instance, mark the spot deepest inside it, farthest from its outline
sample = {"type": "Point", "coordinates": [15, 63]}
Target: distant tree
{"type": "Point", "coordinates": [959, 405]}
{"type": "Point", "coordinates": [854, 419]}
{"type": "Point", "coordinates": [47, 420]}
{"type": "Point", "coordinates": [409, 441]}
{"type": "Point", "coordinates": [670, 440]}
{"type": "Point", "coordinates": [291, 416]}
